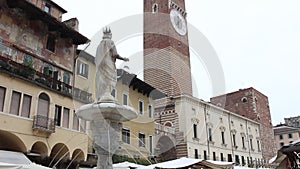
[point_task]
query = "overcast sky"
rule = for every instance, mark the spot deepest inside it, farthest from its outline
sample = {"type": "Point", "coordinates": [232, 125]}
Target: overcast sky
{"type": "Point", "coordinates": [256, 41]}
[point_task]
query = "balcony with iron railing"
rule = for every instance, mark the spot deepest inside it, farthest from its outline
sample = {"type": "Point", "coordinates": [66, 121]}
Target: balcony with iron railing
{"type": "Point", "coordinates": [82, 96]}
{"type": "Point", "coordinates": [166, 129]}
{"type": "Point", "coordinates": [43, 125]}
{"type": "Point", "coordinates": [20, 63]}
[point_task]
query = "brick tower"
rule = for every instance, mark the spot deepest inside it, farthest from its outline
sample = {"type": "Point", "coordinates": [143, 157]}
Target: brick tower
{"type": "Point", "coordinates": [254, 105]}
{"type": "Point", "coordinates": [166, 48]}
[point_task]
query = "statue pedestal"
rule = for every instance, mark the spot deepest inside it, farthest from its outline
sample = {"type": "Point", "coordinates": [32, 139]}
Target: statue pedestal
{"type": "Point", "coordinates": [106, 118]}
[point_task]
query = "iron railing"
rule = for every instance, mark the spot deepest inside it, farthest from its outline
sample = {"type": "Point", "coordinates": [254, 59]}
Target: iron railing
{"type": "Point", "coordinates": [43, 123]}
{"type": "Point", "coordinates": [12, 62]}
{"type": "Point", "coordinates": [82, 96]}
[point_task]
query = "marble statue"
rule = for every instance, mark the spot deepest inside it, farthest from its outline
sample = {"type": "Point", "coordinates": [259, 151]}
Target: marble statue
{"type": "Point", "coordinates": [106, 114]}
{"type": "Point", "coordinates": [106, 75]}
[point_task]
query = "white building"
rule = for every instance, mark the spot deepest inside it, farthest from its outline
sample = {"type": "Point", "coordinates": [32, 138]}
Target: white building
{"type": "Point", "coordinates": [205, 131]}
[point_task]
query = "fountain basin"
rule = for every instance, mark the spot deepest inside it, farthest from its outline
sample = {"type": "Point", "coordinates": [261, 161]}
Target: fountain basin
{"type": "Point", "coordinates": [106, 110]}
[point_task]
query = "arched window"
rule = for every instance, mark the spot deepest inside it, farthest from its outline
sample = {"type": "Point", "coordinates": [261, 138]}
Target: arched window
{"type": "Point", "coordinates": [168, 123]}
{"type": "Point", "coordinates": [155, 8]}
{"type": "Point", "coordinates": [43, 105]}
{"type": "Point", "coordinates": [244, 100]}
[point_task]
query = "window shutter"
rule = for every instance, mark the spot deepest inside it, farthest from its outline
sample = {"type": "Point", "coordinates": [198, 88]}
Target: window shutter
{"type": "Point", "coordinates": [2, 98]}
{"type": "Point", "coordinates": [26, 106]}
{"type": "Point", "coordinates": [75, 122]}
{"type": "Point", "coordinates": [78, 67]}
{"type": "Point", "coordinates": [86, 71]}
{"type": "Point", "coordinates": [66, 118]}
{"type": "Point", "coordinates": [82, 126]}
{"type": "Point", "coordinates": [15, 103]}
{"type": "Point", "coordinates": [43, 108]}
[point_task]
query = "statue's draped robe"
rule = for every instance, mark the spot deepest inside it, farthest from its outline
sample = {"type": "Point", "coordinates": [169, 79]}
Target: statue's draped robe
{"type": "Point", "coordinates": [106, 75]}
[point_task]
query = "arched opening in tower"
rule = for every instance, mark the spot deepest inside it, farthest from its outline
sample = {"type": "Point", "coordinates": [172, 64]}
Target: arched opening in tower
{"type": "Point", "coordinates": [166, 149]}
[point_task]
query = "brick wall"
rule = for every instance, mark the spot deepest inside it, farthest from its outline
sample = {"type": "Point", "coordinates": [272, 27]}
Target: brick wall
{"type": "Point", "coordinates": [166, 53]}
{"type": "Point", "coordinates": [254, 105]}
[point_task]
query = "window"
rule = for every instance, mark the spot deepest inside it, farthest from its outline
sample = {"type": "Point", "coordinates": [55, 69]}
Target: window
{"type": "Point", "coordinates": [210, 134]}
{"type": "Point", "coordinates": [244, 100]}
{"type": "Point", "coordinates": [280, 136]}
{"type": "Point", "coordinates": [66, 78]}
{"type": "Point", "coordinates": [196, 154]}
{"type": "Point", "coordinates": [2, 98]}
{"type": "Point", "coordinates": [43, 110]}
{"type": "Point", "coordinates": [195, 130]}
{"type": "Point", "coordinates": [2, 47]}
{"type": "Point", "coordinates": [155, 8]}
{"type": "Point", "coordinates": [258, 145]}
{"type": "Point", "coordinates": [290, 135]}
{"type": "Point", "coordinates": [48, 69]}
{"type": "Point", "coordinates": [233, 139]}
{"type": "Point", "coordinates": [150, 111]}
{"type": "Point", "coordinates": [141, 106]}
{"type": "Point", "coordinates": [168, 123]}
{"type": "Point", "coordinates": [205, 155]}
{"type": "Point", "coordinates": [243, 141]}
{"type": "Point", "coordinates": [223, 137]}
{"type": "Point", "coordinates": [142, 140]}
{"type": "Point", "coordinates": [50, 43]}
{"type": "Point", "coordinates": [47, 8]}
{"type": "Point", "coordinates": [75, 122]}
{"type": "Point", "coordinates": [82, 69]}
{"type": "Point", "coordinates": [28, 61]}
{"type": "Point", "coordinates": [281, 144]}
{"type": "Point", "coordinates": [15, 103]}
{"type": "Point", "coordinates": [237, 159]}
{"type": "Point", "coordinates": [222, 156]}
{"type": "Point", "coordinates": [125, 99]}
{"type": "Point", "coordinates": [126, 136]}
{"type": "Point", "coordinates": [82, 126]}
{"type": "Point", "coordinates": [66, 116]}
{"type": "Point", "coordinates": [57, 116]}
{"type": "Point", "coordinates": [151, 144]}
{"type": "Point", "coordinates": [66, 81]}
{"type": "Point", "coordinates": [25, 112]}
{"type": "Point", "coordinates": [251, 143]}
{"type": "Point", "coordinates": [43, 106]}
{"type": "Point", "coordinates": [243, 160]}
{"type": "Point", "coordinates": [214, 156]}
{"type": "Point", "coordinates": [229, 157]}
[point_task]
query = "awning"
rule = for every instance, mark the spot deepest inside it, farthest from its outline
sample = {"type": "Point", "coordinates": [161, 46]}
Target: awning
{"type": "Point", "coordinates": [217, 164]}
{"type": "Point", "coordinates": [188, 162]}
{"type": "Point", "coordinates": [178, 163]}
{"type": "Point", "coordinates": [21, 166]}
{"type": "Point", "coordinates": [125, 165]}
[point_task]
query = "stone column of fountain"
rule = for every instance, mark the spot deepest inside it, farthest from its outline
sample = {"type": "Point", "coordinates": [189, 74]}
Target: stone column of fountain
{"type": "Point", "coordinates": [106, 115]}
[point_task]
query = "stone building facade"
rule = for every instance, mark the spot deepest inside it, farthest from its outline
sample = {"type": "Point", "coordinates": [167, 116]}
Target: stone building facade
{"type": "Point", "coordinates": [37, 53]}
{"type": "Point", "coordinates": [206, 131]}
{"type": "Point", "coordinates": [285, 135]}
{"type": "Point", "coordinates": [252, 104]}
{"type": "Point", "coordinates": [293, 121]}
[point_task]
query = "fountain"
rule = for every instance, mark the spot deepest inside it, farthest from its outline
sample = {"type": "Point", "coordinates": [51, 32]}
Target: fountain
{"type": "Point", "coordinates": [106, 114]}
